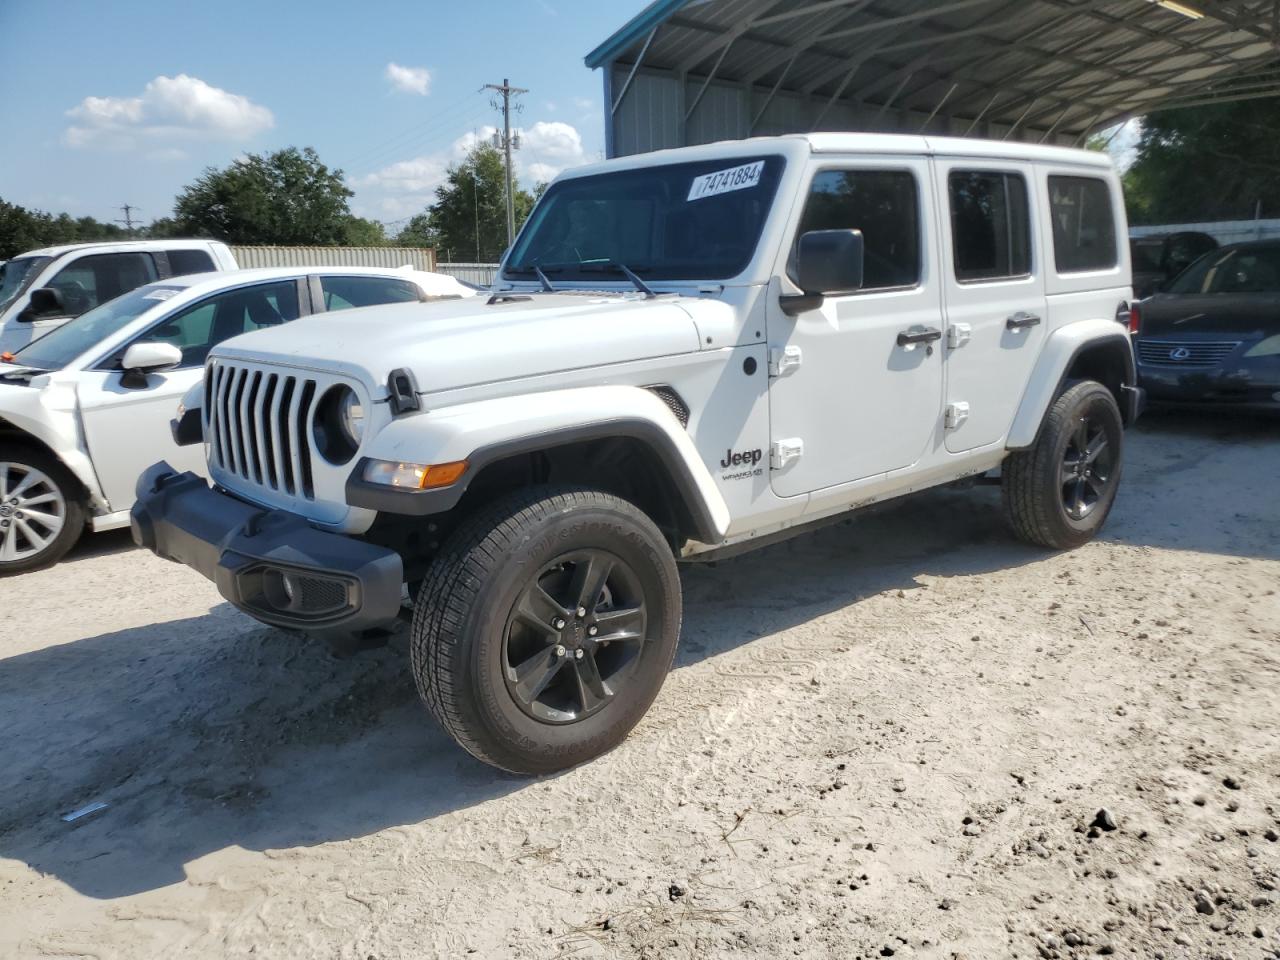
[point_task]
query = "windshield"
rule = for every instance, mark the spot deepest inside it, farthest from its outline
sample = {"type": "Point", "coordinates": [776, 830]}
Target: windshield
{"type": "Point", "coordinates": [59, 347]}
{"type": "Point", "coordinates": [1254, 269]}
{"type": "Point", "coordinates": [16, 276]}
{"type": "Point", "coordinates": [683, 221]}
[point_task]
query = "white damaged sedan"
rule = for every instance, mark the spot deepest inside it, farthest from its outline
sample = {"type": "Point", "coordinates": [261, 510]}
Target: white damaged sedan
{"type": "Point", "coordinates": [87, 407]}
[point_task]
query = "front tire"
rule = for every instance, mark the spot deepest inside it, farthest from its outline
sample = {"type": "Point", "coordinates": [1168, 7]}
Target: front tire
{"type": "Point", "coordinates": [1059, 492]}
{"type": "Point", "coordinates": [42, 514]}
{"type": "Point", "coordinates": [545, 628]}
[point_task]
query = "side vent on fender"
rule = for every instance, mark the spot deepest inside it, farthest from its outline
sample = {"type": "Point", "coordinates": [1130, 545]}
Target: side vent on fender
{"type": "Point", "coordinates": [673, 400]}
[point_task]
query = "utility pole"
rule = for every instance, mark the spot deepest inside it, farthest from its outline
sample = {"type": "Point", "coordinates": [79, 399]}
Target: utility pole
{"type": "Point", "coordinates": [506, 91]}
{"type": "Point", "coordinates": [128, 217]}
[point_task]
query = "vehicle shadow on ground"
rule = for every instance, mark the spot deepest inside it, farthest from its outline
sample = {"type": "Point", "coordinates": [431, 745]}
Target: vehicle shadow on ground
{"type": "Point", "coordinates": [213, 732]}
{"type": "Point", "coordinates": [101, 545]}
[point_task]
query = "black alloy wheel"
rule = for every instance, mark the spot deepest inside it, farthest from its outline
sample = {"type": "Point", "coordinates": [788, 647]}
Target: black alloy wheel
{"type": "Point", "coordinates": [1087, 468]}
{"type": "Point", "coordinates": [574, 637]}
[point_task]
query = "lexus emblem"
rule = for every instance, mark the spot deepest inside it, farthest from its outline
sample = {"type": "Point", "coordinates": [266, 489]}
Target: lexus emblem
{"type": "Point", "coordinates": [1179, 353]}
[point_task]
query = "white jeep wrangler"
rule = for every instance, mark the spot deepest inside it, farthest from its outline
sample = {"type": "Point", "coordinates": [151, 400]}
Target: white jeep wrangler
{"type": "Point", "coordinates": [687, 353]}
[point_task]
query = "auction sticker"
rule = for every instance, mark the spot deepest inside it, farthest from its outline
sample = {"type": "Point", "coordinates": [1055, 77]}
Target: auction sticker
{"type": "Point", "coordinates": [724, 181]}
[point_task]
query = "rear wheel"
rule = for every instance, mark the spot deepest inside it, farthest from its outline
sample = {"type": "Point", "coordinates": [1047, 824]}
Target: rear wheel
{"type": "Point", "coordinates": [41, 513]}
{"type": "Point", "coordinates": [545, 628]}
{"type": "Point", "coordinates": [1059, 492]}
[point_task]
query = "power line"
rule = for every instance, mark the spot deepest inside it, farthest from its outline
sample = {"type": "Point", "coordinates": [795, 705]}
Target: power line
{"type": "Point", "coordinates": [128, 220]}
{"type": "Point", "coordinates": [506, 91]}
{"type": "Point", "coordinates": [371, 157]}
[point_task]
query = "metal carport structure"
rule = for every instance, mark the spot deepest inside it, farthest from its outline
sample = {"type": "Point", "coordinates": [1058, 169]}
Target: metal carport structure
{"type": "Point", "coordinates": [694, 71]}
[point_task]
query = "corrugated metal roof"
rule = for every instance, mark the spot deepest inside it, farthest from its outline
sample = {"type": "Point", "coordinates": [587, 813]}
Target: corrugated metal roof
{"type": "Point", "coordinates": [1066, 66]}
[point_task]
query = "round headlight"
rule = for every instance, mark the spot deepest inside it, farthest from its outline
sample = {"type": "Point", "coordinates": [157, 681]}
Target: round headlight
{"type": "Point", "coordinates": [339, 424]}
{"type": "Point", "coordinates": [351, 414]}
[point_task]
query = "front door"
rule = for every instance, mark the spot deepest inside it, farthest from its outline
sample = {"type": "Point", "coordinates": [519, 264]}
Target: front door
{"type": "Point", "coordinates": [865, 396]}
{"type": "Point", "coordinates": [127, 427]}
{"type": "Point", "coordinates": [994, 292]}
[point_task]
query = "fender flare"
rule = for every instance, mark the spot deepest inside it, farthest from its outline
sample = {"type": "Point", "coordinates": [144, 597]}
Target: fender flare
{"type": "Point", "coordinates": [487, 431]}
{"type": "Point", "coordinates": [1049, 376]}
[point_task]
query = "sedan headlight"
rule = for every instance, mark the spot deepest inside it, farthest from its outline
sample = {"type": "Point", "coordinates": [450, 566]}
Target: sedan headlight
{"type": "Point", "coordinates": [1269, 347]}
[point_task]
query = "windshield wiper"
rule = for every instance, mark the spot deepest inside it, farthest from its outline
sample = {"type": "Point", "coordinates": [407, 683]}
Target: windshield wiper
{"type": "Point", "coordinates": [614, 266]}
{"type": "Point", "coordinates": [546, 284]}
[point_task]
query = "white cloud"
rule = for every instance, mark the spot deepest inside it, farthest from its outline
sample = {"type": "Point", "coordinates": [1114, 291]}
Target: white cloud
{"type": "Point", "coordinates": [547, 148]}
{"type": "Point", "coordinates": [168, 108]}
{"type": "Point", "coordinates": [409, 79]}
{"type": "Point", "coordinates": [584, 103]}
{"type": "Point", "coordinates": [407, 187]}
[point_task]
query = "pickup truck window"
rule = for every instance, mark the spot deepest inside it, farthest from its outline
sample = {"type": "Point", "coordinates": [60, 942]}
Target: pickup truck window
{"type": "Point", "coordinates": [990, 225]}
{"type": "Point", "coordinates": [885, 206]}
{"type": "Point", "coordinates": [1084, 227]}
{"type": "Point", "coordinates": [183, 262]}
{"type": "Point", "coordinates": [16, 276]}
{"type": "Point", "coordinates": [90, 281]}
{"type": "Point", "coordinates": [682, 221]}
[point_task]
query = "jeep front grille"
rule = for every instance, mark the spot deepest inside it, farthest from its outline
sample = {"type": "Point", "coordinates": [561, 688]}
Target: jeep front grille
{"type": "Point", "coordinates": [258, 424]}
{"type": "Point", "coordinates": [1185, 353]}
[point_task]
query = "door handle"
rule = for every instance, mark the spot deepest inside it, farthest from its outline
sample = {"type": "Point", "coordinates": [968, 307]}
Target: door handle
{"type": "Point", "coordinates": [1021, 320]}
{"type": "Point", "coordinates": [923, 335]}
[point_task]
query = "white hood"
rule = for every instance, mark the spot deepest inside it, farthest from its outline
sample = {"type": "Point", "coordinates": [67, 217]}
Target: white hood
{"type": "Point", "coordinates": [461, 343]}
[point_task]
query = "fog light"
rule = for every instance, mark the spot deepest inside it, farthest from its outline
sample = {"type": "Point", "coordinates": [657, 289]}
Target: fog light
{"type": "Point", "coordinates": [280, 589]}
{"type": "Point", "coordinates": [418, 476]}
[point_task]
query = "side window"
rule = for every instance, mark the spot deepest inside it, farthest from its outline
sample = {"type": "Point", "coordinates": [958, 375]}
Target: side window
{"type": "Point", "coordinates": [1084, 226]}
{"type": "Point", "coordinates": [199, 328]}
{"type": "Point", "coordinates": [90, 281]}
{"type": "Point", "coordinates": [182, 262]}
{"type": "Point", "coordinates": [885, 206]}
{"type": "Point", "coordinates": [340, 293]}
{"type": "Point", "coordinates": [990, 225]}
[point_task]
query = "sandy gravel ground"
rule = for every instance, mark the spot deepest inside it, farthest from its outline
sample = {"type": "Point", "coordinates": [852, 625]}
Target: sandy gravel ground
{"type": "Point", "coordinates": [893, 738]}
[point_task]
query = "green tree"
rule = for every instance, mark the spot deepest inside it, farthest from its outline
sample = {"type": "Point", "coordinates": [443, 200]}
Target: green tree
{"type": "Point", "coordinates": [1216, 162]}
{"type": "Point", "coordinates": [22, 229]}
{"type": "Point", "coordinates": [287, 197]}
{"type": "Point", "coordinates": [468, 220]}
{"type": "Point", "coordinates": [364, 233]}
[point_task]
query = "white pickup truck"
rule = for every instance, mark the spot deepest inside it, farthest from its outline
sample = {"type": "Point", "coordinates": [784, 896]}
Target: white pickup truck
{"type": "Point", "coordinates": [688, 353]}
{"type": "Point", "coordinates": [42, 289]}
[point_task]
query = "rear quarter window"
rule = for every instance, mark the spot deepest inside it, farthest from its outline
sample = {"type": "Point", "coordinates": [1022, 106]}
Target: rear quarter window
{"type": "Point", "coordinates": [1084, 224]}
{"type": "Point", "coordinates": [183, 262]}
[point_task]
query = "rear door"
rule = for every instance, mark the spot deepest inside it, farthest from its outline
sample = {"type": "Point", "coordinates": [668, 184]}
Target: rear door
{"type": "Point", "coordinates": [863, 400]}
{"type": "Point", "coordinates": [994, 291]}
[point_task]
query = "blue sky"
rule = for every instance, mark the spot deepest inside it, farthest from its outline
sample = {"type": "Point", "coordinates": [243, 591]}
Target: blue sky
{"type": "Point", "coordinates": [108, 103]}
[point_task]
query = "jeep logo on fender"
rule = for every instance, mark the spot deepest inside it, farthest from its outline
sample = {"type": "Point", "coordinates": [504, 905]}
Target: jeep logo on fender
{"type": "Point", "coordinates": [747, 458]}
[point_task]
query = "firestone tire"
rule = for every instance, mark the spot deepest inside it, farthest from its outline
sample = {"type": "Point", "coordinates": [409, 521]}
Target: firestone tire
{"type": "Point", "coordinates": [545, 628]}
{"type": "Point", "coordinates": [1059, 492]}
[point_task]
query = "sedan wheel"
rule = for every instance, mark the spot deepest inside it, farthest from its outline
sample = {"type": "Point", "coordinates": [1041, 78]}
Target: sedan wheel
{"type": "Point", "coordinates": [40, 518]}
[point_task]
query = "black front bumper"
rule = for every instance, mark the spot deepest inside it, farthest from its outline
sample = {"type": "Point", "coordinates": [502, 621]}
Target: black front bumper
{"type": "Point", "coordinates": [273, 565]}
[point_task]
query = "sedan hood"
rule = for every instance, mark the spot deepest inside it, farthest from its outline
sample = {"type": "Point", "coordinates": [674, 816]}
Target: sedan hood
{"type": "Point", "coordinates": [460, 343]}
{"type": "Point", "coordinates": [1240, 315]}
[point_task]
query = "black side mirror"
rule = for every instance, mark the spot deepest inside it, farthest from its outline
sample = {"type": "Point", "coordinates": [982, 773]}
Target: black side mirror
{"type": "Point", "coordinates": [827, 262]}
{"type": "Point", "coordinates": [45, 302]}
